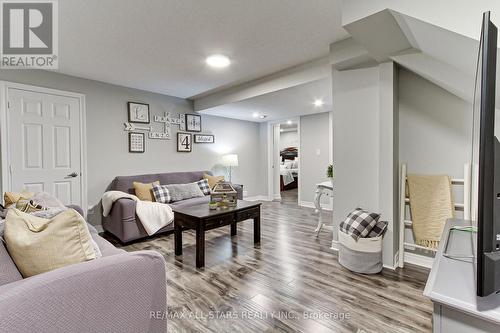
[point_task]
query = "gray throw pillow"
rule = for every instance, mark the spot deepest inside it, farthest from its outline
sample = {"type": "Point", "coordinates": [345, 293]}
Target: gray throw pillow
{"type": "Point", "coordinates": [180, 192]}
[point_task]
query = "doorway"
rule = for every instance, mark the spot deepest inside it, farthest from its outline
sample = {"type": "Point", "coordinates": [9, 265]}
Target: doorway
{"type": "Point", "coordinates": [43, 142]}
{"type": "Point", "coordinates": [285, 161]}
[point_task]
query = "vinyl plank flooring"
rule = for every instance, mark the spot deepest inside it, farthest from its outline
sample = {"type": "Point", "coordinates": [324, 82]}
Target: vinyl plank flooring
{"type": "Point", "coordinates": [291, 282]}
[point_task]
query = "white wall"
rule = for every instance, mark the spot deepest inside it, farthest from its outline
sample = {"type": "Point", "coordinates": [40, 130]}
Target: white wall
{"type": "Point", "coordinates": [289, 139]}
{"type": "Point", "coordinates": [107, 145]}
{"type": "Point", "coordinates": [314, 153]}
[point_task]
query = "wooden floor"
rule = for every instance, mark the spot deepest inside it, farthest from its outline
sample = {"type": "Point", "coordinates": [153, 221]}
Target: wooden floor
{"type": "Point", "coordinates": [292, 282]}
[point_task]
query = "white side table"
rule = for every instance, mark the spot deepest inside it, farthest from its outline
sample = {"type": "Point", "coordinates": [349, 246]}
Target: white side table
{"type": "Point", "coordinates": [326, 189]}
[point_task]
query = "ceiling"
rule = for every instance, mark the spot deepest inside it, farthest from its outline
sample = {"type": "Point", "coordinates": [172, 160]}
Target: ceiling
{"type": "Point", "coordinates": [443, 57]}
{"type": "Point", "coordinates": [280, 105]}
{"type": "Point", "coordinates": [161, 45]}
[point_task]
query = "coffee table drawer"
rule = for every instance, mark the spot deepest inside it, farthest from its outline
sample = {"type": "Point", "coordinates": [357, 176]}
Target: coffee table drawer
{"type": "Point", "coordinates": [219, 221]}
{"type": "Point", "coordinates": [248, 214]}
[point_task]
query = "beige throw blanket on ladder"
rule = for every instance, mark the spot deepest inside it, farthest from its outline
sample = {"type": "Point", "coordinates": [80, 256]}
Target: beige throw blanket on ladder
{"type": "Point", "coordinates": [431, 204]}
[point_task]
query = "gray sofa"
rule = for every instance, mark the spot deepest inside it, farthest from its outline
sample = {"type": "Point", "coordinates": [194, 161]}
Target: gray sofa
{"type": "Point", "coordinates": [122, 221]}
{"type": "Point", "coordinates": [109, 294]}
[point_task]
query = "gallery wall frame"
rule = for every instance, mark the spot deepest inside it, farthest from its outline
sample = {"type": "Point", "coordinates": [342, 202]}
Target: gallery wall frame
{"type": "Point", "coordinates": [138, 113]}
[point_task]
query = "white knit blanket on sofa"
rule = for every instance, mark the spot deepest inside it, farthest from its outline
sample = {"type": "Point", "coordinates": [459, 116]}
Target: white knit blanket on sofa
{"type": "Point", "coordinates": [153, 215]}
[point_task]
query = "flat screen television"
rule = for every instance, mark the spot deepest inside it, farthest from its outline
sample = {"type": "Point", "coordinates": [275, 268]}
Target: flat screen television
{"type": "Point", "coordinates": [486, 155]}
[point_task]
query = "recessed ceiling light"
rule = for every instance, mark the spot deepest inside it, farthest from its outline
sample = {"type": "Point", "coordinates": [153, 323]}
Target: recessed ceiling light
{"type": "Point", "coordinates": [262, 116]}
{"type": "Point", "coordinates": [289, 122]}
{"type": "Point", "coordinates": [255, 114]}
{"type": "Point", "coordinates": [281, 130]}
{"type": "Point", "coordinates": [218, 61]}
{"type": "Point", "coordinates": [318, 103]}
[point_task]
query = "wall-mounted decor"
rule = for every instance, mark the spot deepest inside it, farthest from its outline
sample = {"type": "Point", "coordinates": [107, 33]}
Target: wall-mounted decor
{"type": "Point", "coordinates": [168, 121]}
{"type": "Point", "coordinates": [138, 113]}
{"type": "Point", "coordinates": [129, 127]}
{"type": "Point", "coordinates": [136, 142]}
{"type": "Point", "coordinates": [204, 138]}
{"type": "Point", "coordinates": [193, 122]}
{"type": "Point", "coordinates": [184, 142]}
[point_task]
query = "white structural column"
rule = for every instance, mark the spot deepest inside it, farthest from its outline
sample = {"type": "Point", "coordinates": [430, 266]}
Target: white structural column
{"type": "Point", "coordinates": [365, 147]}
{"type": "Point", "coordinates": [389, 159]}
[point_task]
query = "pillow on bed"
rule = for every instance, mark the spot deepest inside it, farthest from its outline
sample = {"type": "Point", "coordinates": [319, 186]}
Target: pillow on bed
{"type": "Point", "coordinates": [288, 164]}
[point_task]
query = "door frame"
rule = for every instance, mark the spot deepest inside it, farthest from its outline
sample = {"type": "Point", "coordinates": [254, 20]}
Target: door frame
{"type": "Point", "coordinates": [270, 159]}
{"type": "Point", "coordinates": [5, 153]}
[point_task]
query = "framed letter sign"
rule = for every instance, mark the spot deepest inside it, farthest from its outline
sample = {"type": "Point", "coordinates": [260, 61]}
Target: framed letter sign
{"type": "Point", "coordinates": [138, 113]}
{"type": "Point", "coordinates": [193, 122]}
{"type": "Point", "coordinates": [204, 138]}
{"type": "Point", "coordinates": [184, 142]}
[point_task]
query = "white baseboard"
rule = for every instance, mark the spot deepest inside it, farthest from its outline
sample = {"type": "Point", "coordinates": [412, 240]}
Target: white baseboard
{"type": "Point", "coordinates": [392, 268]}
{"type": "Point", "coordinates": [310, 204]}
{"type": "Point", "coordinates": [418, 260]}
{"type": "Point", "coordinates": [257, 198]}
{"type": "Point", "coordinates": [277, 197]}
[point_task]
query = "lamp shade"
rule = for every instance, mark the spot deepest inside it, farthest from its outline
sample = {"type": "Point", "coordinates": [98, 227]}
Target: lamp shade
{"type": "Point", "coordinates": [230, 160]}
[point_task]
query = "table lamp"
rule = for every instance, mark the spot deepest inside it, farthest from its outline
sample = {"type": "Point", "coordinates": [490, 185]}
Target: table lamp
{"type": "Point", "coordinates": [230, 160]}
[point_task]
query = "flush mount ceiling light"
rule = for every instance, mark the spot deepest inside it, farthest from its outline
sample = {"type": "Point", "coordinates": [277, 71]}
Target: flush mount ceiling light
{"type": "Point", "coordinates": [289, 122]}
{"type": "Point", "coordinates": [318, 103]}
{"type": "Point", "coordinates": [255, 114]}
{"type": "Point", "coordinates": [218, 61]}
{"type": "Point", "coordinates": [262, 116]}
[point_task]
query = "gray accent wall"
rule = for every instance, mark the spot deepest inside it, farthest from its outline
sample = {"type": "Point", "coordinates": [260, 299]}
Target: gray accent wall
{"type": "Point", "coordinates": [435, 132]}
{"type": "Point", "coordinates": [314, 153]}
{"type": "Point", "coordinates": [107, 142]}
{"type": "Point", "coordinates": [364, 149]}
{"type": "Point", "coordinates": [435, 127]}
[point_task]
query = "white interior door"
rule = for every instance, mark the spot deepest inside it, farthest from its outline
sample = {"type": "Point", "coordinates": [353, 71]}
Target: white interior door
{"type": "Point", "coordinates": [44, 144]}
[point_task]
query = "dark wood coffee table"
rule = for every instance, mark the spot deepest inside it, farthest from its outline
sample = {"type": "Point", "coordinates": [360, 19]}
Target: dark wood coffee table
{"type": "Point", "coordinates": [201, 219]}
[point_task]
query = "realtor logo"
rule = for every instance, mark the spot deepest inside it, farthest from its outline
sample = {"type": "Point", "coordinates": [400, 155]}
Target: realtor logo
{"type": "Point", "coordinates": [29, 36]}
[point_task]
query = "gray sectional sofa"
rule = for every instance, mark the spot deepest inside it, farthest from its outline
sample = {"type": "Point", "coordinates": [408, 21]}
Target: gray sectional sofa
{"type": "Point", "coordinates": [122, 221]}
{"type": "Point", "coordinates": [109, 294]}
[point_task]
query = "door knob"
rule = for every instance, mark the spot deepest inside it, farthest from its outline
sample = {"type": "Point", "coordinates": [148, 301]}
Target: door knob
{"type": "Point", "coordinates": [72, 175]}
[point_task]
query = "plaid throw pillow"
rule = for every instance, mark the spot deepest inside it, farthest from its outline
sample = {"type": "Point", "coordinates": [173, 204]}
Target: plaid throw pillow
{"type": "Point", "coordinates": [378, 229]}
{"type": "Point", "coordinates": [359, 223]}
{"type": "Point", "coordinates": [162, 194]}
{"type": "Point", "coordinates": [204, 187]}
